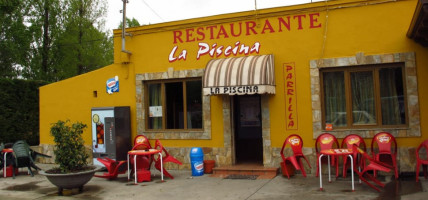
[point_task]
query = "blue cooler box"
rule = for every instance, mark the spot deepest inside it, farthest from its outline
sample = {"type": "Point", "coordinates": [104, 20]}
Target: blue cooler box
{"type": "Point", "coordinates": [197, 161]}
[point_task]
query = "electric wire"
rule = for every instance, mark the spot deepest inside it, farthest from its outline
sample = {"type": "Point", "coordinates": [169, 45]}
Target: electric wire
{"type": "Point", "coordinates": [153, 10]}
{"type": "Point", "coordinates": [325, 33]}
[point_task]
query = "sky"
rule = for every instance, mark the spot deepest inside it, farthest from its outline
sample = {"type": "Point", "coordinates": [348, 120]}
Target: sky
{"type": "Point", "coordinates": [159, 11]}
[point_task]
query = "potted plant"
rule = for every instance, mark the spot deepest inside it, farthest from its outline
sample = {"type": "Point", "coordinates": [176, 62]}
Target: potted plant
{"type": "Point", "coordinates": [71, 157]}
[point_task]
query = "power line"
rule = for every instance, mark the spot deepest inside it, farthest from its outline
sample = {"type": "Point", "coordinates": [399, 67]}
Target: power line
{"type": "Point", "coordinates": [153, 11]}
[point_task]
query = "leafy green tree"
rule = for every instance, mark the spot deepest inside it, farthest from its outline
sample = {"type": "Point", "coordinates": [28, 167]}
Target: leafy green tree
{"type": "Point", "coordinates": [85, 42]}
{"type": "Point", "coordinates": [83, 45]}
{"type": "Point", "coordinates": [130, 23]}
{"type": "Point", "coordinates": [53, 39]}
{"type": "Point", "coordinates": [19, 105]}
{"type": "Point", "coordinates": [15, 37]}
{"type": "Point", "coordinates": [46, 18]}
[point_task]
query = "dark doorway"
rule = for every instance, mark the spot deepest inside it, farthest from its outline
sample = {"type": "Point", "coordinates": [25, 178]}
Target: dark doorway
{"type": "Point", "coordinates": [248, 129]}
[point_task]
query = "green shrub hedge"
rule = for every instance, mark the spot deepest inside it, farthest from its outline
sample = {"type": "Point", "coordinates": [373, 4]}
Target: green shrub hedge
{"type": "Point", "coordinates": [19, 110]}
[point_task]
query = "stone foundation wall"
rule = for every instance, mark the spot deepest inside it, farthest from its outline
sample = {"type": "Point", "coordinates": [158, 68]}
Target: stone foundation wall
{"type": "Point", "coordinates": [406, 157]}
{"type": "Point", "coordinates": [48, 149]}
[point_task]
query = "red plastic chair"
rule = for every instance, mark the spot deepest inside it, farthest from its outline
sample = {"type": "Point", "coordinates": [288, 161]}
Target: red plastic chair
{"type": "Point", "coordinates": [327, 141]}
{"type": "Point", "coordinates": [420, 161]}
{"type": "Point", "coordinates": [141, 142]}
{"type": "Point", "coordinates": [114, 168]}
{"type": "Point", "coordinates": [348, 143]}
{"type": "Point", "coordinates": [372, 166]}
{"type": "Point", "coordinates": [387, 153]}
{"type": "Point", "coordinates": [296, 144]}
{"type": "Point", "coordinates": [165, 158]}
{"type": "Point", "coordinates": [143, 162]}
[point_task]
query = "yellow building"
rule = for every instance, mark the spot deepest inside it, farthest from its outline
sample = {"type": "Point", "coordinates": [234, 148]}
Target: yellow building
{"type": "Point", "coordinates": [238, 84]}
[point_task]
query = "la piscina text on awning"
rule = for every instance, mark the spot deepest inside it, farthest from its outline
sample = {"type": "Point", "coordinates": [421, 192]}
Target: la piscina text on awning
{"type": "Point", "coordinates": [235, 89]}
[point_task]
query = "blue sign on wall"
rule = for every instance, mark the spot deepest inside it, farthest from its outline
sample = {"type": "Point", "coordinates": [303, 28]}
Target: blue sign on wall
{"type": "Point", "coordinates": [113, 85]}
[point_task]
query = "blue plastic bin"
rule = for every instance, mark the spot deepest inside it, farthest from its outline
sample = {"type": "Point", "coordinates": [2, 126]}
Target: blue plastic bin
{"type": "Point", "coordinates": [197, 161]}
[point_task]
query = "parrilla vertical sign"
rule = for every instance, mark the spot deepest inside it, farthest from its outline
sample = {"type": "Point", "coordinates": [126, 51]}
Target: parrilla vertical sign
{"type": "Point", "coordinates": [290, 96]}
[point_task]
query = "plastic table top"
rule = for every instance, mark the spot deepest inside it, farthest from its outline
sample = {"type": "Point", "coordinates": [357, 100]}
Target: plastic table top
{"type": "Point", "coordinates": [335, 152]}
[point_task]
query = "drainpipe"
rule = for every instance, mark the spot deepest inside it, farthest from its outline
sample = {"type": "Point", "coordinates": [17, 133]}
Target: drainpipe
{"type": "Point", "coordinates": [123, 28]}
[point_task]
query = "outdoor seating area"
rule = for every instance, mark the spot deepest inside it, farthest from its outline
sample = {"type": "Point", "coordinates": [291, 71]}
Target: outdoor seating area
{"type": "Point", "coordinates": [206, 187]}
{"type": "Point", "coordinates": [18, 155]}
{"type": "Point", "coordinates": [352, 153]}
{"type": "Point", "coordinates": [139, 162]}
{"type": "Point", "coordinates": [214, 99]}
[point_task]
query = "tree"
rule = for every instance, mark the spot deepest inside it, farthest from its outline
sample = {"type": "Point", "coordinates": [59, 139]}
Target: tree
{"type": "Point", "coordinates": [88, 48]}
{"type": "Point", "coordinates": [45, 18]}
{"type": "Point", "coordinates": [130, 23]}
{"type": "Point", "coordinates": [15, 37]}
{"type": "Point", "coordinates": [53, 39]}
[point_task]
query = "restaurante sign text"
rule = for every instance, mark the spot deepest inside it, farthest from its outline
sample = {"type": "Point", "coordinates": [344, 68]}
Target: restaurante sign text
{"type": "Point", "coordinates": [237, 30]}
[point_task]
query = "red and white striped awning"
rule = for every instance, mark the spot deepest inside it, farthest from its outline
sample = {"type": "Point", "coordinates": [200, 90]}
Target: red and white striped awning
{"type": "Point", "coordinates": [241, 75]}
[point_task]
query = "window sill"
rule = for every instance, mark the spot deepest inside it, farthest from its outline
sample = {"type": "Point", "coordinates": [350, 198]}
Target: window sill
{"type": "Point", "coordinates": [366, 129]}
{"type": "Point", "coordinates": [370, 132]}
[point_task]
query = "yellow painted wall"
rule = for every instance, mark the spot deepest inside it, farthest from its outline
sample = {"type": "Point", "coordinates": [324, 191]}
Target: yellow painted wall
{"type": "Point", "coordinates": [347, 27]}
{"type": "Point", "coordinates": [73, 98]}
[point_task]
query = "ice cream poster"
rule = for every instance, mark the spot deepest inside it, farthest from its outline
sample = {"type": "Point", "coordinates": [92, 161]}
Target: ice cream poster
{"type": "Point", "coordinates": [112, 85]}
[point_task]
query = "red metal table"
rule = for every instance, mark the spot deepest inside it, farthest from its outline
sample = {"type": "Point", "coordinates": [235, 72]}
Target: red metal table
{"type": "Point", "coordinates": [5, 151]}
{"type": "Point", "coordinates": [146, 152]}
{"type": "Point", "coordinates": [336, 152]}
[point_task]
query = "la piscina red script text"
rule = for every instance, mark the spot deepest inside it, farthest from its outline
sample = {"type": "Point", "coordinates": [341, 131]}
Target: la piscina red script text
{"type": "Point", "coordinates": [236, 30]}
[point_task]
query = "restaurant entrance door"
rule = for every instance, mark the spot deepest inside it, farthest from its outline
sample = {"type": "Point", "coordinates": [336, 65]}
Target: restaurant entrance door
{"type": "Point", "coordinates": [248, 129]}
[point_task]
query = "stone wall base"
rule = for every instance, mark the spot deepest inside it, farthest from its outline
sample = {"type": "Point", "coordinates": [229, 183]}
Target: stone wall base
{"type": "Point", "coordinates": [406, 157]}
{"type": "Point", "coordinates": [48, 149]}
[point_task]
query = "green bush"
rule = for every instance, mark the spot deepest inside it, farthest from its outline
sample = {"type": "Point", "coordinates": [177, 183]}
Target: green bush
{"type": "Point", "coordinates": [70, 152]}
{"type": "Point", "coordinates": [19, 106]}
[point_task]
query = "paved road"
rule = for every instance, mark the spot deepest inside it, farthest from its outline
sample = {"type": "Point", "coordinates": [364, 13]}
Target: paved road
{"type": "Point", "coordinates": [184, 186]}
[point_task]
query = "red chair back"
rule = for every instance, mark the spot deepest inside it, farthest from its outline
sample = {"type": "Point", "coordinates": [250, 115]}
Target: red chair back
{"type": "Point", "coordinates": [295, 142]}
{"type": "Point", "coordinates": [385, 142]}
{"type": "Point", "coordinates": [141, 142]}
{"type": "Point", "coordinates": [387, 150]}
{"type": "Point", "coordinates": [424, 144]}
{"type": "Point", "coordinates": [422, 161]}
{"type": "Point", "coordinates": [352, 139]}
{"type": "Point", "coordinates": [326, 141]}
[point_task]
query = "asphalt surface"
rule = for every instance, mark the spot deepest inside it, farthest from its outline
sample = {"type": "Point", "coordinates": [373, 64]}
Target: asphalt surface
{"type": "Point", "coordinates": [184, 186]}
